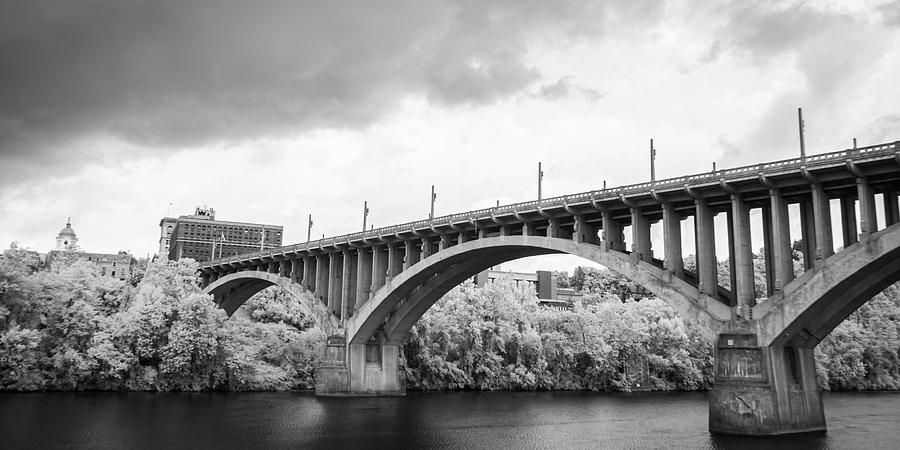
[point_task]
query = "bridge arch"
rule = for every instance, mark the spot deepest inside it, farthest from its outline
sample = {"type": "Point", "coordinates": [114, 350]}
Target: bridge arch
{"type": "Point", "coordinates": [231, 291]}
{"type": "Point", "coordinates": [814, 304]}
{"type": "Point", "coordinates": [397, 305]}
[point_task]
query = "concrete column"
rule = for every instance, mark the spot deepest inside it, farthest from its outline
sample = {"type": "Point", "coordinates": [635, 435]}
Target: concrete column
{"type": "Point", "coordinates": [528, 229]}
{"type": "Point", "coordinates": [580, 232]}
{"type": "Point", "coordinates": [553, 227]}
{"type": "Point", "coordinates": [322, 285]}
{"type": "Point", "coordinates": [348, 284]}
{"type": "Point", "coordinates": [674, 261]}
{"type": "Point", "coordinates": [640, 235]}
{"type": "Point", "coordinates": [768, 250]}
{"type": "Point", "coordinates": [743, 257]}
{"type": "Point", "coordinates": [822, 221]}
{"type": "Point", "coordinates": [428, 247]}
{"type": "Point", "coordinates": [504, 230]}
{"type": "Point", "coordinates": [363, 275]}
{"type": "Point", "coordinates": [463, 237]}
{"type": "Point", "coordinates": [613, 237]}
{"type": "Point", "coordinates": [706, 249]}
{"type": "Point", "coordinates": [445, 242]}
{"type": "Point", "coordinates": [891, 210]}
{"type": "Point", "coordinates": [309, 273]}
{"type": "Point", "coordinates": [294, 272]}
{"type": "Point", "coordinates": [808, 234]}
{"type": "Point", "coordinates": [395, 259]}
{"type": "Point", "coordinates": [481, 232]}
{"type": "Point", "coordinates": [335, 283]}
{"type": "Point", "coordinates": [411, 253]}
{"type": "Point", "coordinates": [732, 278]}
{"type": "Point", "coordinates": [848, 221]}
{"type": "Point", "coordinates": [782, 256]}
{"type": "Point", "coordinates": [379, 267]}
{"type": "Point", "coordinates": [868, 223]}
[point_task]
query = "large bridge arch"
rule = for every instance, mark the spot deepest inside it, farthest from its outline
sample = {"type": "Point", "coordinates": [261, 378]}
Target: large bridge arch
{"type": "Point", "coordinates": [231, 291]}
{"type": "Point", "coordinates": [814, 304]}
{"type": "Point", "coordinates": [397, 305]}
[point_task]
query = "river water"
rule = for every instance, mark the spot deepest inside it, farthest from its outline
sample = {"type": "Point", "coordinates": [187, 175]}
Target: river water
{"type": "Point", "coordinates": [464, 420]}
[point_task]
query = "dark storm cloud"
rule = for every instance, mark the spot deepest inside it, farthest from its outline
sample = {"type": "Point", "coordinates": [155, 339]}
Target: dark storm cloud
{"type": "Point", "coordinates": [168, 75]}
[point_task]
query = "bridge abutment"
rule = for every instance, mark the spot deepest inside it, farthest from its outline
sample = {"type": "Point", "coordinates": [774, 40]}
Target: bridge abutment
{"type": "Point", "coordinates": [360, 369]}
{"type": "Point", "coordinates": [763, 390]}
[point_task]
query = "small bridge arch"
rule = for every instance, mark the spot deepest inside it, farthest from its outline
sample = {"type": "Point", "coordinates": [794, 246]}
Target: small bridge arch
{"type": "Point", "coordinates": [231, 291]}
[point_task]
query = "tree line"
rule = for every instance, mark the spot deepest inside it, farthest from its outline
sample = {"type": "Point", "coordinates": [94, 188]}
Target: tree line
{"type": "Point", "coordinates": [72, 329]}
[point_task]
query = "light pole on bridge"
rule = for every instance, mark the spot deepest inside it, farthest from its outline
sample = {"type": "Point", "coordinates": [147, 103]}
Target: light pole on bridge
{"type": "Point", "coordinates": [309, 229]}
{"type": "Point", "coordinates": [652, 162]}
{"type": "Point", "coordinates": [540, 179]}
{"type": "Point", "coordinates": [433, 198]}
{"type": "Point", "coordinates": [365, 213]}
{"type": "Point", "coordinates": [801, 125]}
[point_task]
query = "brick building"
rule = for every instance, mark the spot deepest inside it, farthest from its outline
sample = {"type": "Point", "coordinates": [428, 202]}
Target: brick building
{"type": "Point", "coordinates": [201, 237]}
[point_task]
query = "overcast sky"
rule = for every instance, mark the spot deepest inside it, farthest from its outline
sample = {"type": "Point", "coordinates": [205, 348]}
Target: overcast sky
{"type": "Point", "coordinates": [269, 111]}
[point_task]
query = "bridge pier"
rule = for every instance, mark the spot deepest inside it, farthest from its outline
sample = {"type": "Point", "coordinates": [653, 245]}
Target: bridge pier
{"type": "Point", "coordinates": [366, 369]}
{"type": "Point", "coordinates": [763, 390]}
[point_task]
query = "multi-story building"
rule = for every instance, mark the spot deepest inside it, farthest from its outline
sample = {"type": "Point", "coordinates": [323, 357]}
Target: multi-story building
{"type": "Point", "coordinates": [166, 226]}
{"type": "Point", "coordinates": [114, 265]}
{"type": "Point", "coordinates": [201, 237]}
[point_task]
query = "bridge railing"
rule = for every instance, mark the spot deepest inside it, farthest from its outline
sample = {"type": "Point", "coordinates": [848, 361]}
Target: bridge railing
{"type": "Point", "coordinates": [743, 172]}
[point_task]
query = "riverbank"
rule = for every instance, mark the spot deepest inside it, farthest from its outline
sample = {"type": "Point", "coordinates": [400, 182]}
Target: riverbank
{"type": "Point", "coordinates": [73, 329]}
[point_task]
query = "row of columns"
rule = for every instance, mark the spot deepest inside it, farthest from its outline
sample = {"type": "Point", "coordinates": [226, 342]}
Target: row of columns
{"type": "Point", "coordinates": [347, 278]}
{"type": "Point", "coordinates": [816, 236]}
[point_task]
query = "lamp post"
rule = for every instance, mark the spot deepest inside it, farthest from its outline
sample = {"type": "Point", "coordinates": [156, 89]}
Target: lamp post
{"type": "Point", "coordinates": [801, 125]}
{"type": "Point", "coordinates": [433, 198]}
{"type": "Point", "coordinates": [365, 213]}
{"type": "Point", "coordinates": [540, 179]}
{"type": "Point", "coordinates": [652, 162]}
{"type": "Point", "coordinates": [309, 229]}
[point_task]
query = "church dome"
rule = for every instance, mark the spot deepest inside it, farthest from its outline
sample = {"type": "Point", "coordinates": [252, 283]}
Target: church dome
{"type": "Point", "coordinates": [67, 231]}
{"type": "Point", "coordinates": [66, 239]}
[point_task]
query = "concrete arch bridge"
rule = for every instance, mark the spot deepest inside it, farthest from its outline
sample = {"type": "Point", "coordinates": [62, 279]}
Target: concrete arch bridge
{"type": "Point", "coordinates": [367, 289]}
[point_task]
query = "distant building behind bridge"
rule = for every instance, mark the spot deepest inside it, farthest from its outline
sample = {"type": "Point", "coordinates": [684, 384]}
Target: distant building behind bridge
{"type": "Point", "coordinates": [201, 237]}
{"type": "Point", "coordinates": [543, 282]}
{"type": "Point", "coordinates": [119, 265]}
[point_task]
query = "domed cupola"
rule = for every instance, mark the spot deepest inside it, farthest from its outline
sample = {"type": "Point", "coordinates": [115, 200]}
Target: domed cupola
{"type": "Point", "coordinates": [66, 239]}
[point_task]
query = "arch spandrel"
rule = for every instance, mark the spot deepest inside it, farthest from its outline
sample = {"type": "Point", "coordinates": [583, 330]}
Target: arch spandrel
{"type": "Point", "coordinates": [231, 291]}
{"type": "Point", "coordinates": [467, 259]}
{"type": "Point", "coordinates": [818, 301]}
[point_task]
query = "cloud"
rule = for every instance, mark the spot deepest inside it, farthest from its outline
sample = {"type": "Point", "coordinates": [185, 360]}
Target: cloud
{"type": "Point", "coordinates": [890, 13]}
{"type": "Point", "coordinates": [161, 76]}
{"type": "Point", "coordinates": [832, 50]}
{"type": "Point", "coordinates": [564, 88]}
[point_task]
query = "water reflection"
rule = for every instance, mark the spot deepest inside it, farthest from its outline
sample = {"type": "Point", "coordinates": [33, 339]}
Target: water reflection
{"type": "Point", "coordinates": [421, 420]}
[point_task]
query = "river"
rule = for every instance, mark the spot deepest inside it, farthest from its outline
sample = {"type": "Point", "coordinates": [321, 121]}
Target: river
{"type": "Point", "coordinates": [462, 420]}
